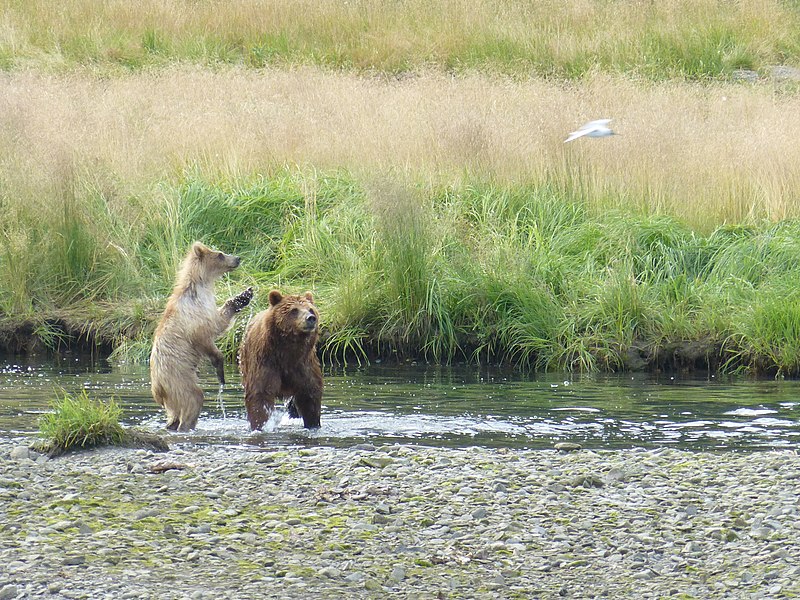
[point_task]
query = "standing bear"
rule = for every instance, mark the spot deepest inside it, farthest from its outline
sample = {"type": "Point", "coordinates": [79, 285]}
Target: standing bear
{"type": "Point", "coordinates": [278, 359]}
{"type": "Point", "coordinates": [186, 333]}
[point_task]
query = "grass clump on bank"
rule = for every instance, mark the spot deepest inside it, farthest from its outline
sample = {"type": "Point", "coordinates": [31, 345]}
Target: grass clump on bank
{"type": "Point", "coordinates": [79, 422]}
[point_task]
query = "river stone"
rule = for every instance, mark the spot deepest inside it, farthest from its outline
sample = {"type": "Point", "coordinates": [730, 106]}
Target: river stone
{"type": "Point", "coordinates": [479, 513]}
{"type": "Point", "coordinates": [8, 592]}
{"type": "Point", "coordinates": [567, 446]}
{"type": "Point", "coordinates": [376, 462]}
{"type": "Point", "coordinates": [144, 513]}
{"type": "Point", "coordinates": [20, 453]}
{"type": "Point", "coordinates": [588, 480]}
{"type": "Point", "coordinates": [330, 572]}
{"type": "Point", "coordinates": [541, 536]}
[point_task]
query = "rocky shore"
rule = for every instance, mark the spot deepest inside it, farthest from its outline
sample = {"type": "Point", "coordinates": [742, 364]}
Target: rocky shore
{"type": "Point", "coordinates": [398, 521]}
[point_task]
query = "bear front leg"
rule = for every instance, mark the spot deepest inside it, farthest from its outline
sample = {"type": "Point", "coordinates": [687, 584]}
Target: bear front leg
{"type": "Point", "coordinates": [309, 407]}
{"type": "Point", "coordinates": [234, 305]}
{"type": "Point", "coordinates": [259, 406]}
{"type": "Point", "coordinates": [261, 386]}
{"type": "Point", "coordinates": [217, 360]}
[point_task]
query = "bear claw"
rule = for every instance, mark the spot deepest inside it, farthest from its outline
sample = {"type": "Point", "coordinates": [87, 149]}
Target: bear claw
{"type": "Point", "coordinates": [242, 300]}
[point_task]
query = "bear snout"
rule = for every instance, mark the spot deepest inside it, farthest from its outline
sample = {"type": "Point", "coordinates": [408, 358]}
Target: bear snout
{"type": "Point", "coordinates": [311, 320]}
{"type": "Point", "coordinates": [236, 261]}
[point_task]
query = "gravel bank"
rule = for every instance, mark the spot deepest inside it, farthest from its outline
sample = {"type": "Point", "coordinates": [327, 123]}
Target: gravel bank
{"type": "Point", "coordinates": [398, 521]}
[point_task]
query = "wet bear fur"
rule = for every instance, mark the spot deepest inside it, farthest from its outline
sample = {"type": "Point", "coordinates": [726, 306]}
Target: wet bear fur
{"type": "Point", "coordinates": [278, 360]}
{"type": "Point", "coordinates": [186, 333]}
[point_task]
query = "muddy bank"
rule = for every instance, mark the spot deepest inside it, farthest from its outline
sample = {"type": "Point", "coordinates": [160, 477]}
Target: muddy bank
{"type": "Point", "coordinates": [66, 334]}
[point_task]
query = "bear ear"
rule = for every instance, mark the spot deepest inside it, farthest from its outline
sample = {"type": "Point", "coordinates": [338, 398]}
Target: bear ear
{"type": "Point", "coordinates": [310, 297]}
{"type": "Point", "coordinates": [274, 297]}
{"type": "Point", "coordinates": [199, 249]}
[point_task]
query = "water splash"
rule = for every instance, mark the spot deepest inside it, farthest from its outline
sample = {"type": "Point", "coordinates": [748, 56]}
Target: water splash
{"type": "Point", "coordinates": [221, 401]}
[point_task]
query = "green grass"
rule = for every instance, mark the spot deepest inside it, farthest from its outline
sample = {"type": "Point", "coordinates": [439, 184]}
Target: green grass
{"type": "Point", "coordinates": [694, 40]}
{"type": "Point", "coordinates": [479, 270]}
{"type": "Point", "coordinates": [80, 422]}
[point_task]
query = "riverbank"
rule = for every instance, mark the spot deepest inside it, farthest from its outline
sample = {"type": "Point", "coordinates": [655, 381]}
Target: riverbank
{"type": "Point", "coordinates": [482, 239]}
{"type": "Point", "coordinates": [427, 198]}
{"type": "Point", "coordinates": [398, 521]}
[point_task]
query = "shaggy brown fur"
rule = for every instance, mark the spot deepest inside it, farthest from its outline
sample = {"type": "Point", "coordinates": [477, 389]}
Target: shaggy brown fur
{"type": "Point", "coordinates": [278, 359]}
{"type": "Point", "coordinates": [186, 333]}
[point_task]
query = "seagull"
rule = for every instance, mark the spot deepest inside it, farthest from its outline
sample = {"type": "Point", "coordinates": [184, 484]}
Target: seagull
{"type": "Point", "coordinates": [597, 128]}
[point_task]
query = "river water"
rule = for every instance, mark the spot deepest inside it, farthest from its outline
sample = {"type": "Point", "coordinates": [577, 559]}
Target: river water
{"type": "Point", "coordinates": [453, 406]}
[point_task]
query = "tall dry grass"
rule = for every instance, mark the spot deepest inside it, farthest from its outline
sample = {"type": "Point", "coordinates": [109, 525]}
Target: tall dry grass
{"type": "Point", "coordinates": [706, 154]}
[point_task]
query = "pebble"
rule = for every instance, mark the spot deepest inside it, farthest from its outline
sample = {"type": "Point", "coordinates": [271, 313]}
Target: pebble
{"type": "Point", "coordinates": [408, 521]}
{"type": "Point", "coordinates": [20, 453]}
{"type": "Point", "coordinates": [330, 572]}
{"type": "Point", "coordinates": [7, 592]}
{"type": "Point", "coordinates": [567, 446]}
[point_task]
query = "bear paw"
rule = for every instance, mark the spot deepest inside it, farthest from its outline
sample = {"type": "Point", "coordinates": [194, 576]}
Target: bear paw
{"type": "Point", "coordinates": [242, 300]}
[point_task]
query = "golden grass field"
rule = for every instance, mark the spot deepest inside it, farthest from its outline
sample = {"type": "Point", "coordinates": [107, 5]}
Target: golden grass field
{"type": "Point", "coordinates": [706, 153]}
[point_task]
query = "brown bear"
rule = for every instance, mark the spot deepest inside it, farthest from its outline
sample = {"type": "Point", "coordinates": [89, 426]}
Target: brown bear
{"type": "Point", "coordinates": [186, 333]}
{"type": "Point", "coordinates": [278, 359]}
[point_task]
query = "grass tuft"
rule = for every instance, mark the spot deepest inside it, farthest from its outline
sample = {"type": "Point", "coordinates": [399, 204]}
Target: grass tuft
{"type": "Point", "coordinates": [79, 422]}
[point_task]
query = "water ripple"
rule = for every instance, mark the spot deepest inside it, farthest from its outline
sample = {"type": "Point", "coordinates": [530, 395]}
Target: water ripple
{"type": "Point", "coordinates": [452, 406]}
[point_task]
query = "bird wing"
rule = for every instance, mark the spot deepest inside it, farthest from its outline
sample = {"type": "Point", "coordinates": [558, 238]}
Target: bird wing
{"type": "Point", "coordinates": [576, 134]}
{"type": "Point", "coordinates": [587, 129]}
{"type": "Point", "coordinates": [597, 123]}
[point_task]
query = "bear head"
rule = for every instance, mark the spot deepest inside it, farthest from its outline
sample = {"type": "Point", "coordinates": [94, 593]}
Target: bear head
{"type": "Point", "coordinates": [295, 315]}
{"type": "Point", "coordinates": [211, 262]}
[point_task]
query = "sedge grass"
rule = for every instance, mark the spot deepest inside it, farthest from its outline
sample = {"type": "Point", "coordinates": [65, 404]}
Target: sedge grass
{"type": "Point", "coordinates": [79, 422]}
{"type": "Point", "coordinates": [474, 271]}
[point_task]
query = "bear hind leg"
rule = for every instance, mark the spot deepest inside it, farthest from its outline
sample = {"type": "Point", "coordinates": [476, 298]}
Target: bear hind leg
{"type": "Point", "coordinates": [191, 409]}
{"type": "Point", "coordinates": [291, 409]}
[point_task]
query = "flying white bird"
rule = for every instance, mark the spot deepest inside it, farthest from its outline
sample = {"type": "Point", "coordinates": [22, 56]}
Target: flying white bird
{"type": "Point", "coordinates": [597, 128]}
